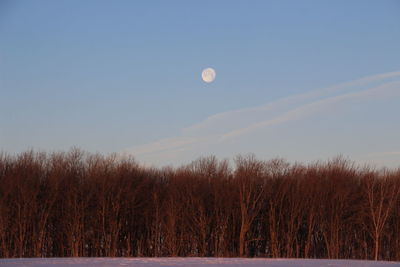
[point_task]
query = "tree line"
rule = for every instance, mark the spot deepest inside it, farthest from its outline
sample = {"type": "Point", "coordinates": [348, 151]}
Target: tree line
{"type": "Point", "coordinates": [81, 204]}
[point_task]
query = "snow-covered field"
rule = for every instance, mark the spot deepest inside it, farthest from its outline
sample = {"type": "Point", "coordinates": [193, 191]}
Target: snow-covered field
{"type": "Point", "coordinates": [190, 262]}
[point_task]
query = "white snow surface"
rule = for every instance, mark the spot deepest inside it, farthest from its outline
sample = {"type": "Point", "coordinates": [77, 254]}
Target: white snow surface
{"type": "Point", "coordinates": [190, 262]}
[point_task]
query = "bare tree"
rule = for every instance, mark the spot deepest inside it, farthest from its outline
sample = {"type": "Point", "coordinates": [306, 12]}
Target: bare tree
{"type": "Point", "coordinates": [249, 176]}
{"type": "Point", "coordinates": [381, 196]}
{"type": "Point", "coordinates": [81, 204]}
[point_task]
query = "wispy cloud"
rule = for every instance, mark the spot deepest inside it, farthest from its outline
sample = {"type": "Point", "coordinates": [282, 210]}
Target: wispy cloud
{"type": "Point", "coordinates": [311, 108]}
{"type": "Point", "coordinates": [165, 145]}
{"type": "Point", "coordinates": [232, 118]}
{"type": "Point", "coordinates": [225, 126]}
{"type": "Point", "coordinates": [384, 154]}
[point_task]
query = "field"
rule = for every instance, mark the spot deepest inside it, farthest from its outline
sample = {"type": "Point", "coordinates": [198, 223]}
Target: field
{"type": "Point", "coordinates": [190, 262]}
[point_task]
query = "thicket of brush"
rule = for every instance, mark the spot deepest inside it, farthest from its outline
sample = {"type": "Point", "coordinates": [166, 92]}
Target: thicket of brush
{"type": "Point", "coordinates": [79, 204]}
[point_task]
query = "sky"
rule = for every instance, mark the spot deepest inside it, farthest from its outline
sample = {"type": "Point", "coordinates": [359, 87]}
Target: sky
{"type": "Point", "coordinates": [300, 80]}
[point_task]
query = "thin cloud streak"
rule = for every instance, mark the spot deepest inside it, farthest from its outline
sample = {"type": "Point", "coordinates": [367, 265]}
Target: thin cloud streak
{"type": "Point", "coordinates": [384, 154]}
{"type": "Point", "coordinates": [310, 108]}
{"type": "Point", "coordinates": [290, 100]}
{"type": "Point", "coordinates": [225, 126]}
{"type": "Point", "coordinates": [164, 145]}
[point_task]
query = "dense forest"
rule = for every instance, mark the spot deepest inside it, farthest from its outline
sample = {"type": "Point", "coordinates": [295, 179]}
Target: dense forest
{"type": "Point", "coordinates": [81, 204]}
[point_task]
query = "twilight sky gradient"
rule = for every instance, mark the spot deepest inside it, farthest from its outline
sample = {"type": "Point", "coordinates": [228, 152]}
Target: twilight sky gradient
{"type": "Point", "coordinates": [303, 80]}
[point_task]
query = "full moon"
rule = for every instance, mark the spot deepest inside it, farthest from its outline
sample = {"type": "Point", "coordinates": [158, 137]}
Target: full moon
{"type": "Point", "coordinates": [208, 75]}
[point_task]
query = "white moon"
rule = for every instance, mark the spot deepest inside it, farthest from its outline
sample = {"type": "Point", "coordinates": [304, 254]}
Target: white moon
{"type": "Point", "coordinates": [208, 75]}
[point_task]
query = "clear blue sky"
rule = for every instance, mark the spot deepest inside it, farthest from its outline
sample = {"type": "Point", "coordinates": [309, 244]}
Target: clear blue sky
{"type": "Point", "coordinates": [112, 76]}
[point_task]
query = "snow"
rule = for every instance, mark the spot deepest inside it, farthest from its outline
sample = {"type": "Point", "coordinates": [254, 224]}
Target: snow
{"type": "Point", "coordinates": [190, 262]}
